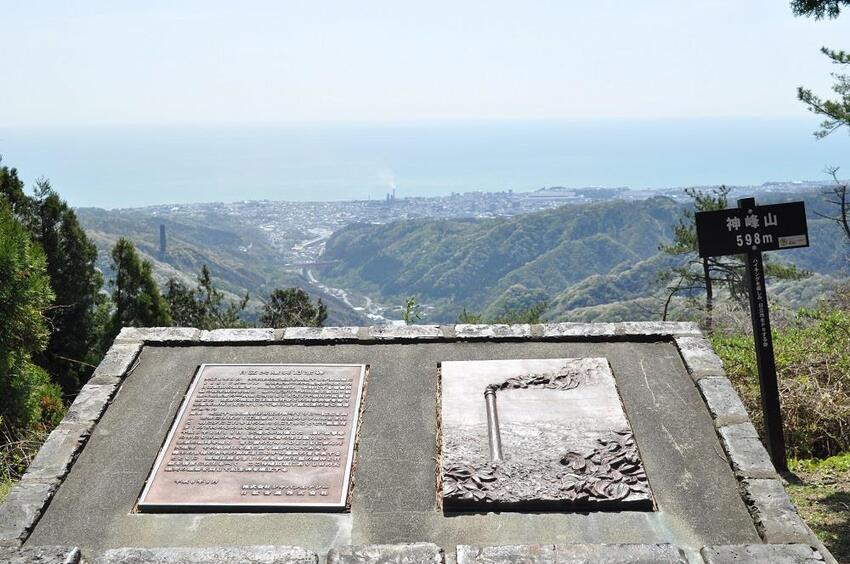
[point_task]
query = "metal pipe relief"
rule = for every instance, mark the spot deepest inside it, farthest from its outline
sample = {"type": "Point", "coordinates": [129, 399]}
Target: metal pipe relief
{"type": "Point", "coordinates": [493, 434]}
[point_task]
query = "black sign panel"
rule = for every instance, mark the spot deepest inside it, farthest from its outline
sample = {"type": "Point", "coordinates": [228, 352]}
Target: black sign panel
{"type": "Point", "coordinates": [737, 231]}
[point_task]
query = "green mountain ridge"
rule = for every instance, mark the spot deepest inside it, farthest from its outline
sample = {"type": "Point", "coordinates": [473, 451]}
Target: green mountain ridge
{"type": "Point", "coordinates": [590, 262]}
{"type": "Point", "coordinates": [239, 255]}
{"type": "Point", "coordinates": [596, 261]}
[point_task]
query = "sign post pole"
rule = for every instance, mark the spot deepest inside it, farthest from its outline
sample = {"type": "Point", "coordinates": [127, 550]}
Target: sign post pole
{"type": "Point", "coordinates": [764, 351]}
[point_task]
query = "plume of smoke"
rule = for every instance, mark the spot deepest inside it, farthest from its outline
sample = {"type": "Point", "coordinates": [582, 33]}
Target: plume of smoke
{"type": "Point", "coordinates": [387, 178]}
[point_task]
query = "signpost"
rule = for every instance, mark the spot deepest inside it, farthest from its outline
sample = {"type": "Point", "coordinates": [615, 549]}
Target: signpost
{"type": "Point", "coordinates": [749, 230]}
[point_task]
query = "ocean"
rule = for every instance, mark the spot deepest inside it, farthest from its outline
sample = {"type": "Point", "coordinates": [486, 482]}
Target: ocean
{"type": "Point", "coordinates": [114, 167]}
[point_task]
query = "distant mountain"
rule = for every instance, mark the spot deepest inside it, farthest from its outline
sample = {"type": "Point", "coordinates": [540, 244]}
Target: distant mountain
{"type": "Point", "coordinates": [589, 262]}
{"type": "Point", "coordinates": [238, 254]}
{"type": "Point", "coordinates": [597, 261]}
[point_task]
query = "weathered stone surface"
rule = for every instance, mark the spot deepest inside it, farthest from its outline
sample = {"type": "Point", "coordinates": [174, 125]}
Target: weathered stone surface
{"type": "Point", "coordinates": [393, 498]}
{"type": "Point", "coordinates": [237, 335]}
{"type": "Point", "coordinates": [747, 455]}
{"type": "Point", "coordinates": [403, 332]}
{"type": "Point", "coordinates": [56, 455]}
{"type": "Point", "coordinates": [115, 364]}
{"type": "Point", "coordinates": [212, 555]}
{"type": "Point", "coordinates": [320, 333]}
{"type": "Point", "coordinates": [515, 554]}
{"type": "Point", "coordinates": [21, 509]}
{"type": "Point", "coordinates": [566, 440]}
{"type": "Point", "coordinates": [723, 401]}
{"type": "Point", "coordinates": [572, 554]}
{"type": "Point", "coordinates": [761, 553]}
{"type": "Point", "coordinates": [774, 515]}
{"type": "Point", "coordinates": [685, 328]}
{"type": "Point", "coordinates": [415, 553]}
{"type": "Point", "coordinates": [90, 402]}
{"type": "Point", "coordinates": [699, 358]}
{"type": "Point", "coordinates": [40, 555]}
{"type": "Point", "coordinates": [656, 328]}
{"type": "Point", "coordinates": [570, 329]}
{"type": "Point", "coordinates": [626, 329]}
{"type": "Point", "coordinates": [469, 331]}
{"type": "Point", "coordinates": [158, 334]}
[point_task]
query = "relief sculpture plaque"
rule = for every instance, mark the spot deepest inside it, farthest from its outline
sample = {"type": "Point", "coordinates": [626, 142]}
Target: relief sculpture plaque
{"type": "Point", "coordinates": [260, 437]}
{"type": "Point", "coordinates": [537, 434]}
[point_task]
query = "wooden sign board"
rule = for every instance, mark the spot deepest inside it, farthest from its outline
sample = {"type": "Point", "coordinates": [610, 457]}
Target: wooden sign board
{"type": "Point", "coordinates": [738, 231]}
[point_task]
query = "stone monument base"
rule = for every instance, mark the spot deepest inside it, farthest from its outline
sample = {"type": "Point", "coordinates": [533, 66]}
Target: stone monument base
{"type": "Point", "coordinates": [714, 495]}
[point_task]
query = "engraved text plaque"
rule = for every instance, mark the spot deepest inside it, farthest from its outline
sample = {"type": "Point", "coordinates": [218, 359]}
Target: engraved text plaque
{"type": "Point", "coordinates": [260, 437]}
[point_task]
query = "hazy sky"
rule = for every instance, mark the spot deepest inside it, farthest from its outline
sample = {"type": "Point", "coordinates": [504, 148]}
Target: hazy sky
{"type": "Point", "coordinates": [268, 62]}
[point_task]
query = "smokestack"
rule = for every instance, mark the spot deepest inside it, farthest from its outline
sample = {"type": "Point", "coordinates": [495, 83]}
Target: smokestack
{"type": "Point", "coordinates": [162, 240]}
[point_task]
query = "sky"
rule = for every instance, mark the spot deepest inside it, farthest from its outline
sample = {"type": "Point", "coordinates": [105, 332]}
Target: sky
{"type": "Point", "coordinates": [271, 62]}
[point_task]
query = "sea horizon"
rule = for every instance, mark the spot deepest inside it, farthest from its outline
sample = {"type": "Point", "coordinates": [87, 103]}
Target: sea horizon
{"type": "Point", "coordinates": [137, 166]}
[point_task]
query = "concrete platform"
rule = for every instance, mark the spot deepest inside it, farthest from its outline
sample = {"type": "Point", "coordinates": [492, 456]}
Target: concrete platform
{"type": "Point", "coordinates": [394, 499]}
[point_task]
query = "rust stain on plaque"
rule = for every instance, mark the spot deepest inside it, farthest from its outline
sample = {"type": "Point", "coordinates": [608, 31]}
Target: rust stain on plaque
{"type": "Point", "coordinates": [260, 437]}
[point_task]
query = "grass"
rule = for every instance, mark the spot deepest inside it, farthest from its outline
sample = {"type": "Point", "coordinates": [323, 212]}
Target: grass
{"type": "Point", "coordinates": [5, 487]}
{"type": "Point", "coordinates": [821, 491]}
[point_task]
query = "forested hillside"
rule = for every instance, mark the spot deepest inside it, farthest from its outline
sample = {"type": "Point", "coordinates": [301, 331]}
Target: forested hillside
{"type": "Point", "coordinates": [597, 261]}
{"type": "Point", "coordinates": [238, 254]}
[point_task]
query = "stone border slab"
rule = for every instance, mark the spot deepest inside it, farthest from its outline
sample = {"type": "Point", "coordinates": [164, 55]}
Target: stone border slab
{"type": "Point", "coordinates": [774, 515]}
{"type": "Point", "coordinates": [748, 457]}
{"type": "Point", "coordinates": [58, 452]}
{"type": "Point", "coordinates": [212, 555]}
{"type": "Point", "coordinates": [724, 404]}
{"type": "Point", "coordinates": [40, 555]}
{"type": "Point", "coordinates": [90, 403]}
{"type": "Point", "coordinates": [473, 332]}
{"type": "Point", "coordinates": [405, 332]}
{"type": "Point", "coordinates": [621, 330]}
{"type": "Point", "coordinates": [237, 336]}
{"type": "Point", "coordinates": [699, 358]}
{"type": "Point", "coordinates": [650, 330]}
{"type": "Point", "coordinates": [22, 509]}
{"type": "Point", "coordinates": [414, 553]}
{"type": "Point", "coordinates": [158, 335]}
{"type": "Point", "coordinates": [562, 553]}
{"type": "Point", "coordinates": [333, 334]}
{"type": "Point", "coordinates": [761, 553]}
{"type": "Point", "coordinates": [117, 362]}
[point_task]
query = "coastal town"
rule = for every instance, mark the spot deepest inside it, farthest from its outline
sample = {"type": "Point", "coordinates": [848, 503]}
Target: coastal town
{"type": "Point", "coordinates": [299, 229]}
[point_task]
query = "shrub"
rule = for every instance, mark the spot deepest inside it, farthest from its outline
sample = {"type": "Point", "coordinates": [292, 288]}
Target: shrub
{"type": "Point", "coordinates": [813, 366]}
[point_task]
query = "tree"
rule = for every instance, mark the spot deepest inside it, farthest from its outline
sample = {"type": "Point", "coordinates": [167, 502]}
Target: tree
{"type": "Point", "coordinates": [411, 312]}
{"type": "Point", "coordinates": [533, 314]}
{"type": "Point", "coordinates": [837, 111]}
{"type": "Point", "coordinates": [509, 315]}
{"type": "Point", "coordinates": [292, 307]}
{"type": "Point", "coordinates": [818, 8]}
{"type": "Point", "coordinates": [27, 397]}
{"type": "Point", "coordinates": [186, 310]}
{"type": "Point", "coordinates": [204, 306]}
{"type": "Point", "coordinates": [135, 294]}
{"type": "Point", "coordinates": [470, 317]}
{"type": "Point", "coordinates": [72, 351]}
{"type": "Point", "coordinates": [702, 275]}
{"type": "Point", "coordinates": [838, 197]}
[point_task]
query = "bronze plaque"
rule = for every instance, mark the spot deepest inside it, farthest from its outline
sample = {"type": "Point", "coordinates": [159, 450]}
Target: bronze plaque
{"type": "Point", "coordinates": [537, 434]}
{"type": "Point", "coordinates": [260, 437]}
